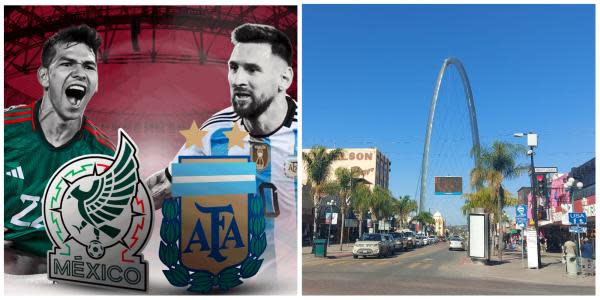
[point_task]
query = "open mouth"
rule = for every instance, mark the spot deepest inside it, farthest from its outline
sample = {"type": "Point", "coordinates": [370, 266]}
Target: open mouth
{"type": "Point", "coordinates": [75, 94]}
{"type": "Point", "coordinates": [244, 96]}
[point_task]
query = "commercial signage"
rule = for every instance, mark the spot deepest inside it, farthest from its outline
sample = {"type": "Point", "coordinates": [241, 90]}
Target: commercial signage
{"type": "Point", "coordinates": [356, 156]}
{"type": "Point", "coordinates": [522, 211]}
{"type": "Point", "coordinates": [479, 246]}
{"type": "Point", "coordinates": [334, 218]}
{"type": "Point", "coordinates": [577, 229]}
{"type": "Point", "coordinates": [448, 185]}
{"type": "Point", "coordinates": [351, 223]}
{"type": "Point", "coordinates": [577, 218]}
{"type": "Point", "coordinates": [521, 222]}
{"type": "Point", "coordinates": [532, 249]}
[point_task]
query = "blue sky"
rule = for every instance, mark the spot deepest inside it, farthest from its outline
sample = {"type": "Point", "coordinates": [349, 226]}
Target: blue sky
{"type": "Point", "coordinates": [369, 72]}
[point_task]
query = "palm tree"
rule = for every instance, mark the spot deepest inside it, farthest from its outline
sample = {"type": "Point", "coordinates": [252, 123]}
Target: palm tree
{"type": "Point", "coordinates": [485, 198]}
{"type": "Point", "coordinates": [345, 183]}
{"type": "Point", "coordinates": [317, 163]}
{"type": "Point", "coordinates": [361, 202]}
{"type": "Point", "coordinates": [381, 204]}
{"type": "Point", "coordinates": [493, 166]}
{"type": "Point", "coordinates": [424, 217]}
{"type": "Point", "coordinates": [404, 207]}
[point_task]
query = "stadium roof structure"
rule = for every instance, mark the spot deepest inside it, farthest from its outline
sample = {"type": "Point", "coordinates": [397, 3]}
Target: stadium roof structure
{"type": "Point", "coordinates": [159, 67]}
{"type": "Point", "coordinates": [135, 34]}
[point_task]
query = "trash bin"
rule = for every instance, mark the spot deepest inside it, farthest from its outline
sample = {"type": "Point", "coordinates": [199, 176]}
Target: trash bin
{"type": "Point", "coordinates": [572, 267]}
{"type": "Point", "coordinates": [320, 248]}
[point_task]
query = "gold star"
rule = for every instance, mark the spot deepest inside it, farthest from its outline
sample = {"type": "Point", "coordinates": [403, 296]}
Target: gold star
{"type": "Point", "coordinates": [193, 136]}
{"type": "Point", "coordinates": [236, 137]}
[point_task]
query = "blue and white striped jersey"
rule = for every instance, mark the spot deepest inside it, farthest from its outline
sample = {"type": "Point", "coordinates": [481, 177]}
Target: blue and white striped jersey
{"type": "Point", "coordinates": [276, 164]}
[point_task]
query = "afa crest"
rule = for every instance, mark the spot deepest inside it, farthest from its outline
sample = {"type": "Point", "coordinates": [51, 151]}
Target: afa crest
{"type": "Point", "coordinates": [213, 232]}
{"type": "Point", "coordinates": [99, 215]}
{"type": "Point", "coordinates": [260, 154]}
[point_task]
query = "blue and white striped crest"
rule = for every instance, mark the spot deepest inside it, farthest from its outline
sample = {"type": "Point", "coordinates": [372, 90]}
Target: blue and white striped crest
{"type": "Point", "coordinates": [194, 179]}
{"type": "Point", "coordinates": [214, 227]}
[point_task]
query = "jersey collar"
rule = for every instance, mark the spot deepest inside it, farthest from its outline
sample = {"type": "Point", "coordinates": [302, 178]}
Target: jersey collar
{"type": "Point", "coordinates": [40, 132]}
{"type": "Point", "coordinates": [287, 122]}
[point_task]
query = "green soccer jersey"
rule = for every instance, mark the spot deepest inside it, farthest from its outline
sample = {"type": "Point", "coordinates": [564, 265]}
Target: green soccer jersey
{"type": "Point", "coordinates": [29, 163]}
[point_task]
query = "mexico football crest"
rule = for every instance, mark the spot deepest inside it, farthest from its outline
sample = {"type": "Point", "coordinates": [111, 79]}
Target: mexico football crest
{"type": "Point", "coordinates": [213, 232]}
{"type": "Point", "coordinates": [98, 215]}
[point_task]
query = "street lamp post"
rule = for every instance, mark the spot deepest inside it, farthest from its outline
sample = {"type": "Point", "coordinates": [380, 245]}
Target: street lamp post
{"type": "Point", "coordinates": [570, 185]}
{"type": "Point", "coordinates": [532, 142]}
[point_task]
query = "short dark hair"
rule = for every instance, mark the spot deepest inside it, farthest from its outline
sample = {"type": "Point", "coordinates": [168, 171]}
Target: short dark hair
{"type": "Point", "coordinates": [259, 33]}
{"type": "Point", "coordinates": [74, 34]}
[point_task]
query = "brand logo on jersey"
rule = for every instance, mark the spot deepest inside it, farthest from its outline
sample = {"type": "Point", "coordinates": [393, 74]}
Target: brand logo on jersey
{"type": "Point", "coordinates": [17, 173]}
{"type": "Point", "coordinates": [215, 228]}
{"type": "Point", "coordinates": [99, 216]}
{"type": "Point", "coordinates": [291, 167]}
{"type": "Point", "coordinates": [261, 155]}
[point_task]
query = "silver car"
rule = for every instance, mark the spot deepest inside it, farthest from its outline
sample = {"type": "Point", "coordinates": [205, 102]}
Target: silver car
{"type": "Point", "coordinates": [400, 241]}
{"type": "Point", "coordinates": [419, 240]}
{"type": "Point", "coordinates": [410, 239]}
{"type": "Point", "coordinates": [456, 243]}
{"type": "Point", "coordinates": [373, 244]}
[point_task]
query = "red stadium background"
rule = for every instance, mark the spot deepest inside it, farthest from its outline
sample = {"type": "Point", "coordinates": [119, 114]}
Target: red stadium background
{"type": "Point", "coordinates": [159, 67]}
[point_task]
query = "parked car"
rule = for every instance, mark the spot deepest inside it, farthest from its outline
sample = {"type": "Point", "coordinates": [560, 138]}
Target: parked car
{"type": "Point", "coordinates": [423, 239]}
{"type": "Point", "coordinates": [389, 239]}
{"type": "Point", "coordinates": [373, 244]}
{"type": "Point", "coordinates": [456, 242]}
{"type": "Point", "coordinates": [432, 240]}
{"type": "Point", "coordinates": [400, 241]}
{"type": "Point", "coordinates": [410, 239]}
{"type": "Point", "coordinates": [419, 240]}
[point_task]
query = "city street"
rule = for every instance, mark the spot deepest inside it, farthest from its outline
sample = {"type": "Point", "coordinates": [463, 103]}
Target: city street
{"type": "Point", "coordinates": [434, 270]}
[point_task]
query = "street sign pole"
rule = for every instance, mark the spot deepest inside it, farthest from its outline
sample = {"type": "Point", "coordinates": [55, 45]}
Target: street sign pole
{"type": "Point", "coordinates": [578, 239]}
{"type": "Point", "coordinates": [522, 251]}
{"type": "Point", "coordinates": [534, 211]}
{"type": "Point", "coordinates": [578, 248]}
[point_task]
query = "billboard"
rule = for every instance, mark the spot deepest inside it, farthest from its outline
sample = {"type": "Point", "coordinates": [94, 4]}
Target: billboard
{"type": "Point", "coordinates": [479, 236]}
{"type": "Point", "coordinates": [448, 185]}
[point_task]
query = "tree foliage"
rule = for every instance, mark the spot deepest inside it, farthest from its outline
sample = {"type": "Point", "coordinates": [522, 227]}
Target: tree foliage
{"type": "Point", "coordinates": [317, 163]}
{"type": "Point", "coordinates": [493, 166]}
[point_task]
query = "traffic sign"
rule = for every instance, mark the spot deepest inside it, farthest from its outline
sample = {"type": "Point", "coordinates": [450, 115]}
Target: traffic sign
{"type": "Point", "coordinates": [577, 218]}
{"type": "Point", "coordinates": [577, 229]}
{"type": "Point", "coordinates": [542, 170]}
{"type": "Point", "coordinates": [522, 211]}
{"type": "Point", "coordinates": [521, 222]}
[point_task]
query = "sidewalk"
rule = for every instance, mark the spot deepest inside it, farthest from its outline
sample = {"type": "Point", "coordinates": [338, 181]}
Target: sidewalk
{"type": "Point", "coordinates": [512, 267]}
{"type": "Point", "coordinates": [333, 251]}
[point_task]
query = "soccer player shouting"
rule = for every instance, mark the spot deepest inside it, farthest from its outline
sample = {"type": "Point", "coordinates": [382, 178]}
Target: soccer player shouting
{"type": "Point", "coordinates": [42, 136]}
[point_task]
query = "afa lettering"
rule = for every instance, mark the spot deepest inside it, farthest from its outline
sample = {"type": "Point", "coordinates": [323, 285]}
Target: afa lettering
{"type": "Point", "coordinates": [217, 221]}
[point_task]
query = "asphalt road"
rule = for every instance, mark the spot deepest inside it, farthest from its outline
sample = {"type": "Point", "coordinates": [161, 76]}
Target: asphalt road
{"type": "Point", "coordinates": [432, 270]}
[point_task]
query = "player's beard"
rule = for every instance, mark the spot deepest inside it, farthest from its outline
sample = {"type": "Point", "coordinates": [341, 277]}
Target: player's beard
{"type": "Point", "coordinates": [253, 109]}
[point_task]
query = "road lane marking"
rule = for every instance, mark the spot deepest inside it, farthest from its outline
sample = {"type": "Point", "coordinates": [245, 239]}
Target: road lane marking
{"type": "Point", "coordinates": [413, 265]}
